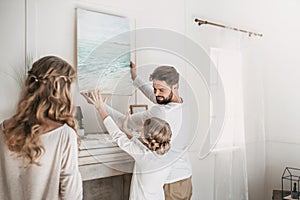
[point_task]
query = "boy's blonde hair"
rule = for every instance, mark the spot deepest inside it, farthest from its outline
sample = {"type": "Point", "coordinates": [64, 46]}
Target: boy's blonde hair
{"type": "Point", "coordinates": [157, 135]}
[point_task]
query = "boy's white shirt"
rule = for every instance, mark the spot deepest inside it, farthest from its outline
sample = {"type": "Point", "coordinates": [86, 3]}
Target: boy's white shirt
{"type": "Point", "coordinates": [150, 169]}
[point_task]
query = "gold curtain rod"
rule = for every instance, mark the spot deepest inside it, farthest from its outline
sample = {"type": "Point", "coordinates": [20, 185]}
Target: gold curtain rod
{"type": "Point", "coordinates": [200, 22]}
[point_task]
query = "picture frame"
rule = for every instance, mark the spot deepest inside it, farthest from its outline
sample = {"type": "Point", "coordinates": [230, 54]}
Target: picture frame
{"type": "Point", "coordinates": [138, 108]}
{"type": "Point", "coordinates": [103, 52]}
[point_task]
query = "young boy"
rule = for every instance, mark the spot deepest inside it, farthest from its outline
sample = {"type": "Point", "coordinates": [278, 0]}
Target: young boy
{"type": "Point", "coordinates": [149, 151]}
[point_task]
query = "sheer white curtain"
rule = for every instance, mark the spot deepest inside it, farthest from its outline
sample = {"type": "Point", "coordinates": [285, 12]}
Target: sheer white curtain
{"type": "Point", "coordinates": [230, 172]}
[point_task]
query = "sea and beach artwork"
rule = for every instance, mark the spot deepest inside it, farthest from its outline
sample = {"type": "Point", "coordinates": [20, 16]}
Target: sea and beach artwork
{"type": "Point", "coordinates": [103, 52]}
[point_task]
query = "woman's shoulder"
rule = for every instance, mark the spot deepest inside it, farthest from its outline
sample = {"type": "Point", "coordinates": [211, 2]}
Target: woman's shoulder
{"type": "Point", "coordinates": [65, 132]}
{"type": "Point", "coordinates": [68, 129]}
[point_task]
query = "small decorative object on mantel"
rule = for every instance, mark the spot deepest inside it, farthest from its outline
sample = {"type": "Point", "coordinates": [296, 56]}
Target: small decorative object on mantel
{"type": "Point", "coordinates": [79, 118]}
{"type": "Point", "coordinates": [295, 194]}
{"type": "Point", "coordinates": [290, 179]}
{"type": "Point", "coordinates": [138, 108]}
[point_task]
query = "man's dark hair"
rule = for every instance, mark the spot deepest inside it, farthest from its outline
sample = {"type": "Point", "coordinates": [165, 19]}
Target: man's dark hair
{"type": "Point", "coordinates": [165, 73]}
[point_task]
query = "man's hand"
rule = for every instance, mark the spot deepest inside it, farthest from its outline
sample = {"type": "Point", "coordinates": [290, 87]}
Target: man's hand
{"type": "Point", "coordinates": [133, 70]}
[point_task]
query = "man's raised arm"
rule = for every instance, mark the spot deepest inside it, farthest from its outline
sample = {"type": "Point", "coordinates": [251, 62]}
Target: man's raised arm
{"type": "Point", "coordinates": [144, 87]}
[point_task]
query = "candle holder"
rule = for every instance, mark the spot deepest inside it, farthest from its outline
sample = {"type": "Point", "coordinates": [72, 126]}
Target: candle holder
{"type": "Point", "coordinates": [79, 119]}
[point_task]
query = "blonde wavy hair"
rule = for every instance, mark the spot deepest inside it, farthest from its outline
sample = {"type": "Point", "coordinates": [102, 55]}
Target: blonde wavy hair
{"type": "Point", "coordinates": [157, 135]}
{"type": "Point", "coordinates": [46, 95]}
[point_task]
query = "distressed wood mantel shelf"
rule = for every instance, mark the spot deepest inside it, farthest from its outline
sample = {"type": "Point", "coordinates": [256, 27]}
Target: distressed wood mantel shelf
{"type": "Point", "coordinates": [99, 157]}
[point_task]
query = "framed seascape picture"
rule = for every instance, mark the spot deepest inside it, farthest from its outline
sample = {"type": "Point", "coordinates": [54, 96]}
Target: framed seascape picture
{"type": "Point", "coordinates": [103, 52]}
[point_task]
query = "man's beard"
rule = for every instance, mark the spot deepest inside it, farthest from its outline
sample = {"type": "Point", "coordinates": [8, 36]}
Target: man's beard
{"type": "Point", "coordinates": [164, 100]}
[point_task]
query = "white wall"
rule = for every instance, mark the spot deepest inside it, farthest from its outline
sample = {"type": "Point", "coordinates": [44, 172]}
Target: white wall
{"type": "Point", "coordinates": [12, 54]}
{"type": "Point", "coordinates": [282, 83]}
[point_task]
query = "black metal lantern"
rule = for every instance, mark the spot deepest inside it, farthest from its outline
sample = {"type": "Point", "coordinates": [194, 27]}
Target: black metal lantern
{"type": "Point", "coordinates": [290, 176]}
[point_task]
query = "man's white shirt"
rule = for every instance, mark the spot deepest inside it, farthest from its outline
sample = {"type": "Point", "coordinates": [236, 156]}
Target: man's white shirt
{"type": "Point", "coordinates": [175, 114]}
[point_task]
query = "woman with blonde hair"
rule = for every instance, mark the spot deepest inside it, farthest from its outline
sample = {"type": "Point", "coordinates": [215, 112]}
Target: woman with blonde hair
{"type": "Point", "coordinates": [149, 151]}
{"type": "Point", "coordinates": [39, 143]}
